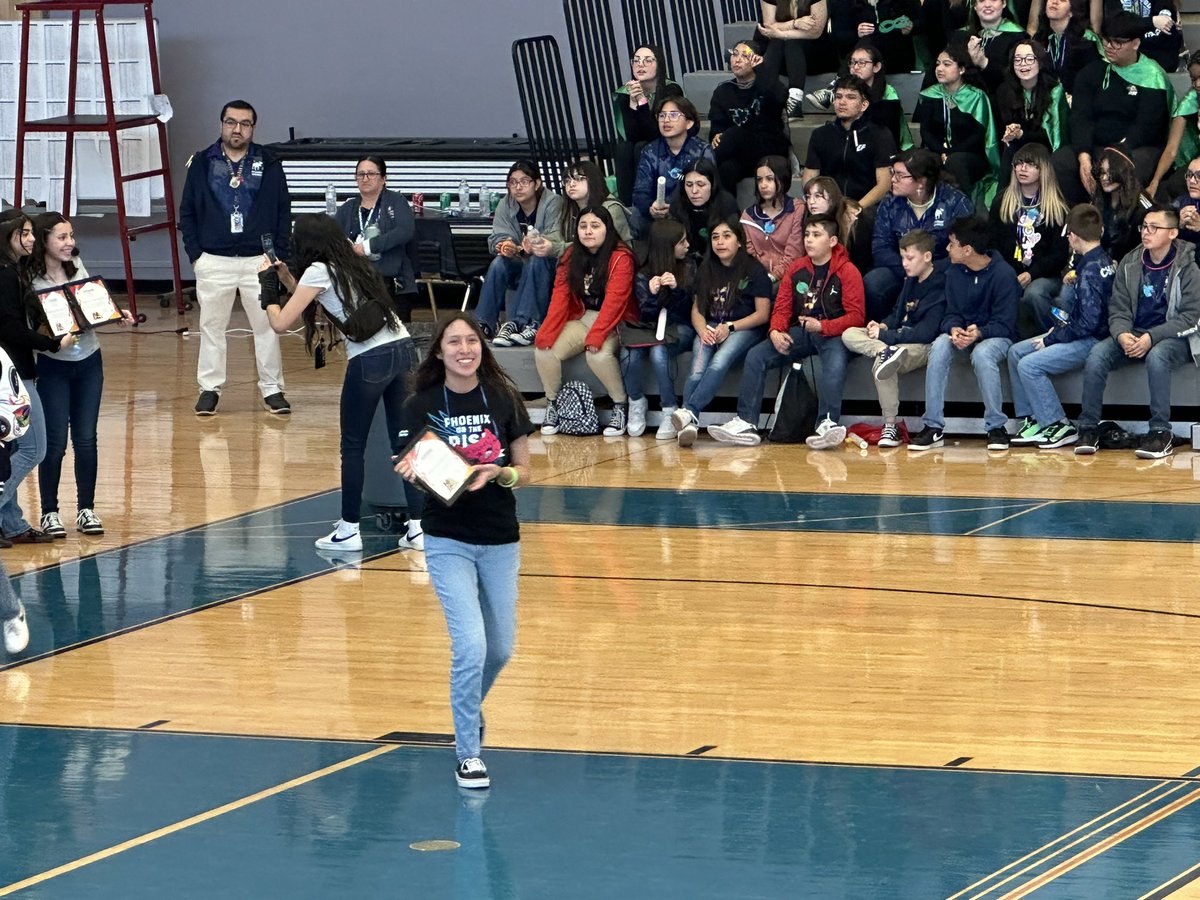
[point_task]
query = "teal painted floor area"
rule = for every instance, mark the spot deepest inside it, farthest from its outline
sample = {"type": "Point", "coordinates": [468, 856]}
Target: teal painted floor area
{"type": "Point", "coordinates": [554, 825]}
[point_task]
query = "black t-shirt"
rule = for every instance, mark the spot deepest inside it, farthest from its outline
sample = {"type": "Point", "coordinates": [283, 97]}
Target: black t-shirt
{"type": "Point", "coordinates": [727, 308]}
{"type": "Point", "coordinates": [851, 155]}
{"type": "Point", "coordinates": [481, 424]}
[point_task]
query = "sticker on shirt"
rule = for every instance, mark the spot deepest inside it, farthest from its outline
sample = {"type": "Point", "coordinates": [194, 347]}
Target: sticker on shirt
{"type": "Point", "coordinates": [472, 435]}
{"type": "Point", "coordinates": [256, 168]}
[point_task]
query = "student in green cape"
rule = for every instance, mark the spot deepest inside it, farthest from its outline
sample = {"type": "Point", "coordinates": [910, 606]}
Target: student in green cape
{"type": "Point", "coordinates": [1183, 140]}
{"type": "Point", "coordinates": [991, 35]}
{"type": "Point", "coordinates": [633, 112]}
{"type": "Point", "coordinates": [1030, 105]}
{"type": "Point", "coordinates": [1162, 39]}
{"type": "Point", "coordinates": [1063, 28]}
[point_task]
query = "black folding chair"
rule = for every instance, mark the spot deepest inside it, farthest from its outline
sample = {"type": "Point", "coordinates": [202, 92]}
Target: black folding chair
{"type": "Point", "coordinates": [546, 106]}
{"type": "Point", "coordinates": [598, 71]}
{"type": "Point", "coordinates": [442, 257]}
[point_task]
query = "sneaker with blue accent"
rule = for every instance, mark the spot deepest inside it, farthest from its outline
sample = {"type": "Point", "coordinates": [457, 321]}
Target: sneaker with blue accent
{"type": "Point", "coordinates": [887, 361]}
{"type": "Point", "coordinates": [341, 538]}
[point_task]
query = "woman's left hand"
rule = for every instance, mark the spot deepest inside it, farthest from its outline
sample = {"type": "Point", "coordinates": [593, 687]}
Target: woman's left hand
{"type": "Point", "coordinates": [127, 318]}
{"type": "Point", "coordinates": [359, 249]}
{"type": "Point", "coordinates": [483, 474]}
{"type": "Point", "coordinates": [285, 276]}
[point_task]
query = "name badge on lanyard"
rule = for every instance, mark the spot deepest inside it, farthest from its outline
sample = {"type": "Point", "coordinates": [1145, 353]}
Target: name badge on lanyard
{"type": "Point", "coordinates": [235, 221]}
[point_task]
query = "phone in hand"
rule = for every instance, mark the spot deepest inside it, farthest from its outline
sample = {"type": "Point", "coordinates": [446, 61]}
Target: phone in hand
{"type": "Point", "coordinates": [268, 245]}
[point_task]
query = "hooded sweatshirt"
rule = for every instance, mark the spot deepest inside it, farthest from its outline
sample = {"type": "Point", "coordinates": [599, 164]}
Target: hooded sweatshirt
{"type": "Point", "coordinates": [839, 305]}
{"type": "Point", "coordinates": [988, 299]}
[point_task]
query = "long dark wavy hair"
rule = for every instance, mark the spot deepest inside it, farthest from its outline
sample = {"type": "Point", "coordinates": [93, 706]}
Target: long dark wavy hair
{"type": "Point", "coordinates": [318, 238]}
{"type": "Point", "coordinates": [1010, 98]}
{"type": "Point", "coordinates": [35, 263]}
{"type": "Point", "coordinates": [582, 262]}
{"type": "Point", "coordinates": [11, 222]}
{"type": "Point", "coordinates": [1079, 22]}
{"type": "Point", "coordinates": [1127, 196]}
{"type": "Point", "coordinates": [432, 371]}
{"type": "Point", "coordinates": [597, 193]}
{"type": "Point", "coordinates": [713, 275]}
{"type": "Point", "coordinates": [664, 237]}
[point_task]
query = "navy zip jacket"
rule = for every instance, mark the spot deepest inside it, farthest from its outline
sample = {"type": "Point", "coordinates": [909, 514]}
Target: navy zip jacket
{"type": "Point", "coordinates": [1094, 275]}
{"type": "Point", "coordinates": [204, 221]}
{"type": "Point", "coordinates": [988, 298]}
{"type": "Point", "coordinates": [917, 317]}
{"type": "Point", "coordinates": [896, 218]}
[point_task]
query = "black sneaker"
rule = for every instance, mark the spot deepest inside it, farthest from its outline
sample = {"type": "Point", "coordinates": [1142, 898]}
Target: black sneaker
{"type": "Point", "coordinates": [207, 404]}
{"type": "Point", "coordinates": [1088, 443]}
{"type": "Point", "coordinates": [472, 773]}
{"type": "Point", "coordinates": [997, 439]}
{"type": "Point", "coordinates": [925, 439]}
{"type": "Point", "coordinates": [277, 405]}
{"type": "Point", "coordinates": [1157, 444]}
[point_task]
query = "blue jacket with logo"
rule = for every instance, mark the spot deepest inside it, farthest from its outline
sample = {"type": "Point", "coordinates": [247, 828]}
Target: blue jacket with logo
{"type": "Point", "coordinates": [657, 159]}
{"type": "Point", "coordinates": [1094, 274]}
{"type": "Point", "coordinates": [896, 219]}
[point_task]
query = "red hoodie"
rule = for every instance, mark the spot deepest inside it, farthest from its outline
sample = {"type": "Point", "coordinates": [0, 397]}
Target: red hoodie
{"type": "Point", "coordinates": [841, 303]}
{"type": "Point", "coordinates": [619, 304]}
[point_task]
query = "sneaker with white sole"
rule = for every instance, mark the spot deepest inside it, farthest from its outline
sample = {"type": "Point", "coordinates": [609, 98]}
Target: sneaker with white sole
{"type": "Point", "coordinates": [822, 99]}
{"type": "Point", "coordinates": [795, 103]}
{"type": "Point", "coordinates": [736, 431]}
{"type": "Point", "coordinates": [666, 428]}
{"type": "Point", "coordinates": [925, 439]}
{"type": "Point", "coordinates": [341, 538]}
{"type": "Point", "coordinates": [685, 427]}
{"type": "Point", "coordinates": [16, 631]}
{"type": "Point", "coordinates": [504, 337]}
{"type": "Point", "coordinates": [1060, 434]}
{"type": "Point", "coordinates": [636, 426]}
{"type": "Point", "coordinates": [888, 361]}
{"type": "Point", "coordinates": [829, 435]}
{"type": "Point", "coordinates": [525, 336]}
{"type": "Point", "coordinates": [87, 522]}
{"type": "Point", "coordinates": [1029, 434]}
{"type": "Point", "coordinates": [1158, 443]}
{"type": "Point", "coordinates": [550, 423]}
{"type": "Point", "coordinates": [472, 773]}
{"type": "Point", "coordinates": [411, 541]}
{"type": "Point", "coordinates": [617, 421]}
{"type": "Point", "coordinates": [52, 525]}
{"type": "Point", "coordinates": [890, 436]}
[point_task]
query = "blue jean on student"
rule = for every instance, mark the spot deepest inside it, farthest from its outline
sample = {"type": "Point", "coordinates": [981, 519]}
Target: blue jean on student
{"type": "Point", "coordinates": [531, 278]}
{"type": "Point", "coordinates": [31, 450]}
{"type": "Point", "coordinates": [711, 363]}
{"type": "Point", "coordinates": [1029, 372]}
{"type": "Point", "coordinates": [1162, 359]}
{"type": "Point", "coordinates": [377, 374]}
{"type": "Point", "coordinates": [830, 386]}
{"type": "Point", "coordinates": [477, 587]}
{"type": "Point", "coordinates": [1038, 299]}
{"type": "Point", "coordinates": [987, 356]}
{"type": "Point", "coordinates": [661, 357]}
{"type": "Point", "coordinates": [70, 394]}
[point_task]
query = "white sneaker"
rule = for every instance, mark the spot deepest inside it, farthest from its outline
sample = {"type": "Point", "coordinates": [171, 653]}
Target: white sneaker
{"type": "Point", "coordinates": [666, 428]}
{"type": "Point", "coordinates": [52, 525]}
{"type": "Point", "coordinates": [412, 542]}
{"type": "Point", "coordinates": [16, 632]}
{"type": "Point", "coordinates": [829, 435]}
{"type": "Point", "coordinates": [637, 417]}
{"type": "Point", "coordinates": [685, 427]}
{"type": "Point", "coordinates": [736, 431]}
{"type": "Point", "coordinates": [504, 337]}
{"type": "Point", "coordinates": [87, 522]}
{"type": "Point", "coordinates": [472, 773]}
{"type": "Point", "coordinates": [339, 540]}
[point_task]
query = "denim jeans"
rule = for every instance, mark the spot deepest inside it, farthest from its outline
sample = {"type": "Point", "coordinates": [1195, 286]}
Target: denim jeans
{"type": "Point", "coordinates": [477, 587]}
{"type": "Point", "coordinates": [532, 279]}
{"type": "Point", "coordinates": [70, 394]}
{"type": "Point", "coordinates": [378, 374]}
{"type": "Point", "coordinates": [1164, 357]}
{"type": "Point", "coordinates": [987, 356]}
{"type": "Point", "coordinates": [881, 286]}
{"type": "Point", "coordinates": [1029, 374]}
{"type": "Point", "coordinates": [661, 357]}
{"type": "Point", "coordinates": [830, 384]}
{"type": "Point", "coordinates": [31, 449]}
{"type": "Point", "coordinates": [711, 363]}
{"type": "Point", "coordinates": [1036, 303]}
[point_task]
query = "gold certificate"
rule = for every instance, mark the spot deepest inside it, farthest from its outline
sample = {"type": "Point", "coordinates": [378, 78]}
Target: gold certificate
{"type": "Point", "coordinates": [57, 309]}
{"type": "Point", "coordinates": [96, 304]}
{"type": "Point", "coordinates": [439, 468]}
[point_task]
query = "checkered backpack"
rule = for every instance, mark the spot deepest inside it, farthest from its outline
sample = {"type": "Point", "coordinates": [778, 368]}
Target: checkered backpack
{"type": "Point", "coordinates": [576, 409]}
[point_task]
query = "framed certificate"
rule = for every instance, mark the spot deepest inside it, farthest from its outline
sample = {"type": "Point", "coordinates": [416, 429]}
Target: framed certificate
{"type": "Point", "coordinates": [94, 305]}
{"type": "Point", "coordinates": [439, 468]}
{"type": "Point", "coordinates": [57, 308]}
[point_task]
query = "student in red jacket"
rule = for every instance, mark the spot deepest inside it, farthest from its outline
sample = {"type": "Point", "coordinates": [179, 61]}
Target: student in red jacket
{"type": "Point", "coordinates": [820, 297]}
{"type": "Point", "coordinates": [593, 293]}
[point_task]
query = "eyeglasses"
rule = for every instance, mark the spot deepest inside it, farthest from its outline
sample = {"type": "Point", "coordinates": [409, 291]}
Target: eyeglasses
{"type": "Point", "coordinates": [366, 176]}
{"type": "Point", "coordinates": [1194, 175]}
{"type": "Point", "coordinates": [574, 178]}
{"type": "Point", "coordinates": [1116, 43]}
{"type": "Point", "coordinates": [1023, 59]}
{"type": "Point", "coordinates": [1151, 228]}
{"type": "Point", "coordinates": [643, 60]}
{"type": "Point", "coordinates": [520, 182]}
{"type": "Point", "coordinates": [237, 123]}
{"type": "Point", "coordinates": [1027, 163]}
{"type": "Point", "coordinates": [670, 115]}
{"type": "Point", "coordinates": [859, 63]}
{"type": "Point", "coordinates": [899, 176]}
{"type": "Point", "coordinates": [744, 54]}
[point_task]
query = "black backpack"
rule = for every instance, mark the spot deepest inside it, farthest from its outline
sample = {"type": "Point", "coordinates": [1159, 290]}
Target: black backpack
{"type": "Point", "coordinates": [576, 409]}
{"type": "Point", "coordinates": [795, 408]}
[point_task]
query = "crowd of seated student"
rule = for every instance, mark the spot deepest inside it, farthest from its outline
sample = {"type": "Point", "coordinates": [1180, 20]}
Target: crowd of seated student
{"type": "Point", "coordinates": [1013, 130]}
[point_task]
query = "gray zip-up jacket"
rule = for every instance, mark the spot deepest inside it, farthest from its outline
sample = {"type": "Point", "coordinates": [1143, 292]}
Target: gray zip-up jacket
{"type": "Point", "coordinates": [1183, 296]}
{"type": "Point", "coordinates": [545, 220]}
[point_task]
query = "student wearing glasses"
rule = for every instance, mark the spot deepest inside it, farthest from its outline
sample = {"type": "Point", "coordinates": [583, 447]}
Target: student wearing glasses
{"type": "Point", "coordinates": [668, 157]}
{"type": "Point", "coordinates": [633, 112]}
{"type": "Point", "coordinates": [380, 224]}
{"type": "Point", "coordinates": [885, 109]}
{"type": "Point", "coordinates": [1031, 106]}
{"type": "Point", "coordinates": [1188, 204]}
{"type": "Point", "coordinates": [746, 116]}
{"type": "Point", "coordinates": [1163, 39]}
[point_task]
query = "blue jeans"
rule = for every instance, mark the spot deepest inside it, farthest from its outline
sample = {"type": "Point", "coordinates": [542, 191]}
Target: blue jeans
{"type": "Point", "coordinates": [661, 357]}
{"type": "Point", "coordinates": [532, 278]}
{"type": "Point", "coordinates": [882, 287]}
{"type": "Point", "coordinates": [987, 356]}
{"type": "Point", "coordinates": [1164, 357]}
{"type": "Point", "coordinates": [477, 587]}
{"type": "Point", "coordinates": [830, 385]}
{"type": "Point", "coordinates": [1029, 374]}
{"type": "Point", "coordinates": [1038, 300]}
{"type": "Point", "coordinates": [377, 374]}
{"type": "Point", "coordinates": [711, 363]}
{"type": "Point", "coordinates": [31, 450]}
{"type": "Point", "coordinates": [70, 394]}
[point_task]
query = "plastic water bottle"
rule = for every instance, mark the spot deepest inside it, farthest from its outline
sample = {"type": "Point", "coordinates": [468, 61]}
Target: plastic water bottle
{"type": "Point", "coordinates": [464, 197]}
{"type": "Point", "coordinates": [330, 200]}
{"type": "Point", "coordinates": [485, 199]}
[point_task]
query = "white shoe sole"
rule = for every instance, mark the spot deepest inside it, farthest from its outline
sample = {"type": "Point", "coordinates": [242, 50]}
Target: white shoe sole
{"type": "Point", "coordinates": [741, 438]}
{"type": "Point", "coordinates": [886, 369]}
{"type": "Point", "coordinates": [687, 435]}
{"type": "Point", "coordinates": [829, 440]}
{"type": "Point", "coordinates": [472, 783]}
{"type": "Point", "coordinates": [352, 544]}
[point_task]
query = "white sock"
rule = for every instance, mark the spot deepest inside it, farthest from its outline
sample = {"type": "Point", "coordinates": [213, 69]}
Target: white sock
{"type": "Point", "coordinates": [345, 529]}
{"type": "Point", "coordinates": [414, 527]}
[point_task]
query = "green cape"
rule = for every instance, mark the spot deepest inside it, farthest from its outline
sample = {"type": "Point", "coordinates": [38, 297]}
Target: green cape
{"type": "Point", "coordinates": [974, 102]}
{"type": "Point", "coordinates": [906, 141]}
{"type": "Point", "coordinates": [1189, 145]}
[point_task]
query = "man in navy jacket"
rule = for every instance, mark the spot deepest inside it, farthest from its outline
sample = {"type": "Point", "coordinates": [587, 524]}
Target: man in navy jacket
{"type": "Point", "coordinates": [234, 196]}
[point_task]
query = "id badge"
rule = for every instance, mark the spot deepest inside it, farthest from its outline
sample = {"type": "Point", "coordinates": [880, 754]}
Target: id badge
{"type": "Point", "coordinates": [235, 222]}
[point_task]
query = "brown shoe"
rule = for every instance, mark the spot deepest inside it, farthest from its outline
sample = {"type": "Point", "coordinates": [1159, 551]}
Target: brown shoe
{"type": "Point", "coordinates": [32, 536]}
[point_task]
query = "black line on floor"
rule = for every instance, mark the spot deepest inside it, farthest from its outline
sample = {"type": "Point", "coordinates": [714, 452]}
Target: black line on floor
{"type": "Point", "coordinates": [415, 737]}
{"type": "Point", "coordinates": [153, 724]}
{"type": "Point", "coordinates": [700, 751]}
{"type": "Point", "coordinates": [1166, 890]}
{"type": "Point", "coordinates": [958, 762]}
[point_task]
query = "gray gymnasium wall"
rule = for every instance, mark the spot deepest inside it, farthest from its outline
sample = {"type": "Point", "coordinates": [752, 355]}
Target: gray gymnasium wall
{"type": "Point", "coordinates": [362, 68]}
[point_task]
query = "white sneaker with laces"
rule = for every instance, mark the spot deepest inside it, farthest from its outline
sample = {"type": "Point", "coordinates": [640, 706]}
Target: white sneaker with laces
{"type": "Point", "coordinates": [341, 538]}
{"type": "Point", "coordinates": [472, 773]}
{"type": "Point", "coordinates": [736, 431]}
{"type": "Point", "coordinates": [504, 337]}
{"type": "Point", "coordinates": [412, 541]}
{"type": "Point", "coordinates": [636, 425]}
{"type": "Point", "coordinates": [87, 522]}
{"type": "Point", "coordinates": [16, 632]}
{"type": "Point", "coordinates": [52, 525]}
{"type": "Point", "coordinates": [685, 427]}
{"type": "Point", "coordinates": [828, 437]}
{"type": "Point", "coordinates": [666, 428]}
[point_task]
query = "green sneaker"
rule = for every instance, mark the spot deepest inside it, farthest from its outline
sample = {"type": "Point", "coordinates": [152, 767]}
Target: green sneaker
{"type": "Point", "coordinates": [1029, 434]}
{"type": "Point", "coordinates": [1060, 434]}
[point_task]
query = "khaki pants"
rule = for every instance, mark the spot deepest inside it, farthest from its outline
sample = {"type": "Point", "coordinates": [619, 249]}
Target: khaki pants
{"type": "Point", "coordinates": [915, 357]}
{"type": "Point", "coordinates": [219, 280]}
{"type": "Point", "coordinates": [570, 342]}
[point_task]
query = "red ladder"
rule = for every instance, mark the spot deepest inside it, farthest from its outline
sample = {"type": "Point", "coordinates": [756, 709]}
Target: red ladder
{"type": "Point", "coordinates": [109, 123]}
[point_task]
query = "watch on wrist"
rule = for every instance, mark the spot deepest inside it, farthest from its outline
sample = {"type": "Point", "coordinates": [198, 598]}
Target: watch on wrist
{"type": "Point", "coordinates": [731, 327]}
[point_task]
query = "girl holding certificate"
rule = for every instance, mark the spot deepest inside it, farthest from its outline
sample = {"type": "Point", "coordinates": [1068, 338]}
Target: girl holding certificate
{"type": "Point", "coordinates": [69, 383]}
{"type": "Point", "coordinates": [471, 547]}
{"type": "Point", "coordinates": [379, 355]}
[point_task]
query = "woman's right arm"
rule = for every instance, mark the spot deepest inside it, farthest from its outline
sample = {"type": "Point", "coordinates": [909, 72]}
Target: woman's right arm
{"type": "Point", "coordinates": [1174, 138]}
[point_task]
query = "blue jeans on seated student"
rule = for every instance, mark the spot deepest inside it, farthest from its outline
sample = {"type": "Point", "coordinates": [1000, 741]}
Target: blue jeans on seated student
{"type": "Point", "coordinates": [1029, 374]}
{"type": "Point", "coordinates": [31, 449]}
{"type": "Point", "coordinates": [830, 385]}
{"type": "Point", "coordinates": [477, 587]}
{"type": "Point", "coordinates": [1164, 357]}
{"type": "Point", "coordinates": [987, 356]}
{"type": "Point", "coordinates": [70, 394]}
{"type": "Point", "coordinates": [378, 374]}
{"type": "Point", "coordinates": [711, 363]}
{"type": "Point", "coordinates": [661, 357]}
{"type": "Point", "coordinates": [531, 277]}
{"type": "Point", "coordinates": [1039, 298]}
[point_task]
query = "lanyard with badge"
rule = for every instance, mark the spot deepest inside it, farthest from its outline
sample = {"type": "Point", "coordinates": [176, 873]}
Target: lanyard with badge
{"type": "Point", "coordinates": [367, 232]}
{"type": "Point", "coordinates": [236, 180]}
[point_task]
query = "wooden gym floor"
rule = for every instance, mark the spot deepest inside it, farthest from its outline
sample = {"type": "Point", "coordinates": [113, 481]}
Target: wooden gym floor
{"type": "Point", "coordinates": [741, 672]}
